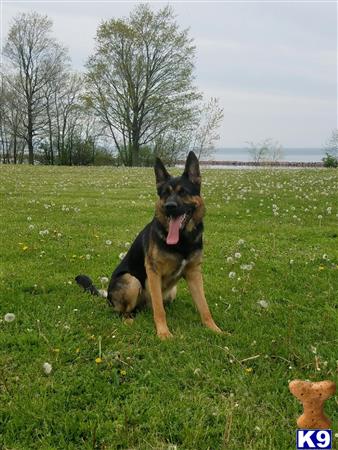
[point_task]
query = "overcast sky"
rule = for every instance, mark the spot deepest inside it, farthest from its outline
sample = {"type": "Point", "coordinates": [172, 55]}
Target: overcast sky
{"type": "Point", "coordinates": [272, 64]}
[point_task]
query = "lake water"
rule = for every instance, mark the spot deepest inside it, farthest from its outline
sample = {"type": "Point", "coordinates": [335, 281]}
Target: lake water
{"type": "Point", "coordinates": [289, 154]}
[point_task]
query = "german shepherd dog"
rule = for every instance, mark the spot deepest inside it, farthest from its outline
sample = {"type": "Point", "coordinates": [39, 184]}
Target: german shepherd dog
{"type": "Point", "coordinates": [167, 249]}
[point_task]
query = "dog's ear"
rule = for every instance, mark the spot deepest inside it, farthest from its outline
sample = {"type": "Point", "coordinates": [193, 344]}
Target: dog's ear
{"type": "Point", "coordinates": [192, 169]}
{"type": "Point", "coordinates": [160, 172]}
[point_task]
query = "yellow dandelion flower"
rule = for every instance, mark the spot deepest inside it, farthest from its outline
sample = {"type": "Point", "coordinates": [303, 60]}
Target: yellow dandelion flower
{"type": "Point", "coordinates": [321, 267]}
{"type": "Point", "coordinates": [248, 370]}
{"type": "Point", "coordinates": [128, 321]}
{"type": "Point", "coordinates": [98, 360]}
{"type": "Point", "coordinates": [123, 373]}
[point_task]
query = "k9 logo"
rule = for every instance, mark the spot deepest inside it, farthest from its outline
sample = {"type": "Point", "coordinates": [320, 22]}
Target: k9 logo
{"type": "Point", "coordinates": [315, 439]}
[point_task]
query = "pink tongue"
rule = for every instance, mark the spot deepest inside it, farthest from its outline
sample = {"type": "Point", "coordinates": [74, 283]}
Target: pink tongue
{"type": "Point", "coordinates": [174, 230]}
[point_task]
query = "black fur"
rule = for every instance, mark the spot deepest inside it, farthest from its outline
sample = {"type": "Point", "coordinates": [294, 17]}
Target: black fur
{"type": "Point", "coordinates": [87, 284]}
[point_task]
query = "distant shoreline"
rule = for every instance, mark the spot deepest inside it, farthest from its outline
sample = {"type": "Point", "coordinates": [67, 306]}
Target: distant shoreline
{"type": "Point", "coordinates": [259, 164]}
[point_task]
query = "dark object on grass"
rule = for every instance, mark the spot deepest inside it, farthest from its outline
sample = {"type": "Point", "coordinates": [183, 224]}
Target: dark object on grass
{"type": "Point", "coordinates": [87, 284]}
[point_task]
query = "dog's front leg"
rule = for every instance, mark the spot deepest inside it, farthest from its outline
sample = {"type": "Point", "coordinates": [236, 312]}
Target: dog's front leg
{"type": "Point", "coordinates": [194, 279]}
{"type": "Point", "coordinates": [155, 288]}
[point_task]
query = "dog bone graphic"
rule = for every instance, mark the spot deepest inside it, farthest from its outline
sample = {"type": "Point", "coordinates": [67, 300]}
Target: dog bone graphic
{"type": "Point", "coordinates": [313, 396]}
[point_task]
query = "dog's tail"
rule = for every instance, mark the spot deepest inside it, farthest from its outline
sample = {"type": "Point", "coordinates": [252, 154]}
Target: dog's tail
{"type": "Point", "coordinates": [87, 284]}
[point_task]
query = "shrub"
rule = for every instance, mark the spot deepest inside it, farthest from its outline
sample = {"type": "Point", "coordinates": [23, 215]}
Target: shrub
{"type": "Point", "coordinates": [330, 160]}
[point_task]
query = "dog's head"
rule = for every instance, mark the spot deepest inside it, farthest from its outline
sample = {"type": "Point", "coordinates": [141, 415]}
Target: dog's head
{"type": "Point", "coordinates": [180, 206]}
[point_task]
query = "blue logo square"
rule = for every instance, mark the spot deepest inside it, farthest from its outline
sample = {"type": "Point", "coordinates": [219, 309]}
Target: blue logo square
{"type": "Point", "coordinates": [315, 439]}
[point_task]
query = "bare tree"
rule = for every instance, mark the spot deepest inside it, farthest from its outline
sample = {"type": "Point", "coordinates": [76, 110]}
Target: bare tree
{"type": "Point", "coordinates": [11, 130]}
{"type": "Point", "coordinates": [267, 150]}
{"type": "Point", "coordinates": [4, 125]}
{"type": "Point", "coordinates": [331, 146]}
{"type": "Point", "coordinates": [140, 79]}
{"type": "Point", "coordinates": [36, 60]}
{"type": "Point", "coordinates": [331, 150]}
{"type": "Point", "coordinates": [68, 115]}
{"type": "Point", "coordinates": [210, 117]}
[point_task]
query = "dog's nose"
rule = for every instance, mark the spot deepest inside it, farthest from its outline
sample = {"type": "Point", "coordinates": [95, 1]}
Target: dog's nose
{"type": "Point", "coordinates": [170, 206]}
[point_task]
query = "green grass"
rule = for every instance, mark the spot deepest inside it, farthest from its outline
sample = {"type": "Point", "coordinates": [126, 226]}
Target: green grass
{"type": "Point", "coordinates": [199, 390]}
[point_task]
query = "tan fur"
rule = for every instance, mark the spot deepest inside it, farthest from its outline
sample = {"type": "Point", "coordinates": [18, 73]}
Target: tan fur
{"type": "Point", "coordinates": [163, 272]}
{"type": "Point", "coordinates": [127, 294]}
{"type": "Point", "coordinates": [193, 275]}
{"type": "Point", "coordinates": [199, 212]}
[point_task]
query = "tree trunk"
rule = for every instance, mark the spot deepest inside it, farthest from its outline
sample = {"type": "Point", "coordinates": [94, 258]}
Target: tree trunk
{"type": "Point", "coordinates": [30, 137]}
{"type": "Point", "coordinates": [15, 149]}
{"type": "Point", "coordinates": [50, 130]}
{"type": "Point", "coordinates": [135, 160]}
{"type": "Point", "coordinates": [135, 145]}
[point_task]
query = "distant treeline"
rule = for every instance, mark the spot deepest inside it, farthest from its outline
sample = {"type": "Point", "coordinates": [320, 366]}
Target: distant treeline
{"type": "Point", "coordinates": [261, 163]}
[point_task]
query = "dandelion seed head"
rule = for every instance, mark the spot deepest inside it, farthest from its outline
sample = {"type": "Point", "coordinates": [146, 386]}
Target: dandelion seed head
{"type": "Point", "coordinates": [263, 304]}
{"type": "Point", "coordinates": [9, 317]}
{"type": "Point", "coordinates": [47, 368]}
{"type": "Point", "coordinates": [247, 267]}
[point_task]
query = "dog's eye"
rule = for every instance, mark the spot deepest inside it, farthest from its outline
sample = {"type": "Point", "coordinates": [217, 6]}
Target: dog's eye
{"type": "Point", "coordinates": [182, 191]}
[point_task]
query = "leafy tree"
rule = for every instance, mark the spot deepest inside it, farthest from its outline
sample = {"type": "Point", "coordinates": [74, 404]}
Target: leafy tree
{"type": "Point", "coordinates": [140, 79]}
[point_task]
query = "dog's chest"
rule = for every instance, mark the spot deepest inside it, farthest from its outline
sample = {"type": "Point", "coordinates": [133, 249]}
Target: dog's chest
{"type": "Point", "coordinates": [173, 271]}
{"type": "Point", "coordinates": [179, 271]}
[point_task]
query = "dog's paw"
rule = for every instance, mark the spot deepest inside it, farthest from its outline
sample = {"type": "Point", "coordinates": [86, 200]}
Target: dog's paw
{"type": "Point", "coordinates": [164, 334]}
{"type": "Point", "coordinates": [212, 326]}
{"type": "Point", "coordinates": [217, 330]}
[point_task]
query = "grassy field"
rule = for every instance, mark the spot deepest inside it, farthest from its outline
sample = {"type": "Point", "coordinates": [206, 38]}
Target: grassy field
{"type": "Point", "coordinates": [271, 279]}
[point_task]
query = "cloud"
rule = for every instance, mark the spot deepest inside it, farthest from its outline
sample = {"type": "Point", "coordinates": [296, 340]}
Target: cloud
{"type": "Point", "coordinates": [253, 116]}
{"type": "Point", "coordinates": [273, 65]}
